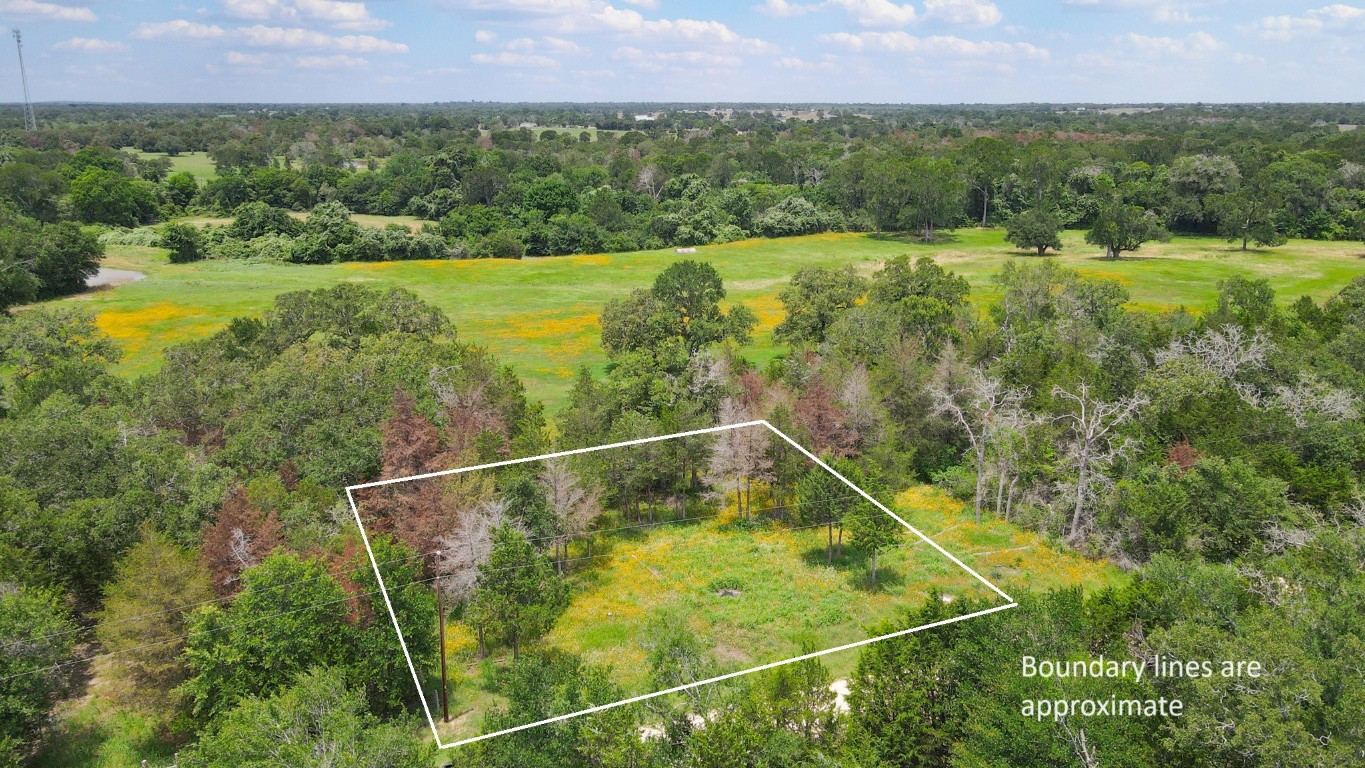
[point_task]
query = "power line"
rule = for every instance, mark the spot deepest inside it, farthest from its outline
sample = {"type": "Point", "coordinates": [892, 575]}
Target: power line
{"type": "Point", "coordinates": [347, 598]}
{"type": "Point", "coordinates": [367, 567]}
{"type": "Point", "coordinates": [198, 633]}
{"type": "Point", "coordinates": [187, 607]}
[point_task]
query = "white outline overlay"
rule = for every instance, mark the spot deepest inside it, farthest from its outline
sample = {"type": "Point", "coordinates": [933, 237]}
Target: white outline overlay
{"type": "Point", "coordinates": [417, 680]}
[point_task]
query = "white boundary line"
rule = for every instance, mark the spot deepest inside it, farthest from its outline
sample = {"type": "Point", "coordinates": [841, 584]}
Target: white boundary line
{"type": "Point", "coordinates": [417, 679]}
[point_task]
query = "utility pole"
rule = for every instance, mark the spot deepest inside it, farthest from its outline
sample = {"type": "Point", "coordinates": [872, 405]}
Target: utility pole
{"type": "Point", "coordinates": [30, 123]}
{"type": "Point", "coordinates": [441, 639]}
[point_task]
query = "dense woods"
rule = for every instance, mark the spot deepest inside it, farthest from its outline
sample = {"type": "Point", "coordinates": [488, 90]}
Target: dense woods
{"type": "Point", "coordinates": [180, 544]}
{"type": "Point", "coordinates": [489, 186]}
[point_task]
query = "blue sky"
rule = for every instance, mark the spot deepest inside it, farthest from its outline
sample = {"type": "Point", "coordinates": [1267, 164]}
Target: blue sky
{"type": "Point", "coordinates": [923, 51]}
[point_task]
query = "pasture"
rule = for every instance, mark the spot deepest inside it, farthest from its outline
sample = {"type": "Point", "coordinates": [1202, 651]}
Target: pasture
{"type": "Point", "coordinates": [540, 315]}
{"type": "Point", "coordinates": [197, 164]}
{"type": "Point", "coordinates": [787, 597]}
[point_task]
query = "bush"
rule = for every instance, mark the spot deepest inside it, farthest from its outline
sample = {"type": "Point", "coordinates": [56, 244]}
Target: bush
{"type": "Point", "coordinates": [183, 241]}
{"type": "Point", "coordinates": [499, 245]}
{"type": "Point", "coordinates": [793, 216]}
{"type": "Point", "coordinates": [146, 237]}
{"type": "Point", "coordinates": [958, 480]}
{"type": "Point", "coordinates": [253, 220]}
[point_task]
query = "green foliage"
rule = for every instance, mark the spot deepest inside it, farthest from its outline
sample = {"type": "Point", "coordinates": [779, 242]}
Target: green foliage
{"type": "Point", "coordinates": [42, 261]}
{"type": "Point", "coordinates": [183, 241]}
{"type": "Point", "coordinates": [545, 684]}
{"type": "Point", "coordinates": [36, 634]}
{"type": "Point", "coordinates": [144, 617]}
{"type": "Point", "coordinates": [793, 216]}
{"type": "Point", "coordinates": [379, 661]}
{"type": "Point", "coordinates": [814, 299]}
{"type": "Point", "coordinates": [290, 616]}
{"type": "Point", "coordinates": [57, 350]}
{"type": "Point", "coordinates": [253, 220]}
{"type": "Point", "coordinates": [318, 722]}
{"type": "Point", "coordinates": [181, 189]}
{"type": "Point", "coordinates": [1036, 229]}
{"type": "Point", "coordinates": [683, 304]}
{"type": "Point", "coordinates": [518, 594]}
{"type": "Point", "coordinates": [1219, 509]}
{"type": "Point", "coordinates": [1119, 226]}
{"type": "Point", "coordinates": [101, 196]}
{"type": "Point", "coordinates": [872, 529]}
{"type": "Point", "coordinates": [824, 499]}
{"type": "Point", "coordinates": [921, 194]}
{"type": "Point", "coordinates": [503, 244]}
{"type": "Point", "coordinates": [904, 695]}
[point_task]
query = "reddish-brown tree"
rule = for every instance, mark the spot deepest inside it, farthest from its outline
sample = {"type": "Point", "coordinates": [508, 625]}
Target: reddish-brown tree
{"type": "Point", "coordinates": [239, 537]}
{"type": "Point", "coordinates": [821, 420]}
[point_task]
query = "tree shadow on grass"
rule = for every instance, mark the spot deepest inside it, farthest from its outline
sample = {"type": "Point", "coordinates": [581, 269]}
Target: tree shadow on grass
{"type": "Point", "coordinates": [1101, 258]}
{"type": "Point", "coordinates": [817, 557]}
{"type": "Point", "coordinates": [887, 579]}
{"type": "Point", "coordinates": [914, 238]}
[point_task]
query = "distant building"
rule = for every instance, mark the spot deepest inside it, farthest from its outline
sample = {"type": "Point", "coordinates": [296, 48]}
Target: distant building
{"type": "Point", "coordinates": [644, 118]}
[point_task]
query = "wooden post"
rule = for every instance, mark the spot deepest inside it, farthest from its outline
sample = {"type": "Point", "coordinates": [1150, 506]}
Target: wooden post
{"type": "Point", "coordinates": [441, 639]}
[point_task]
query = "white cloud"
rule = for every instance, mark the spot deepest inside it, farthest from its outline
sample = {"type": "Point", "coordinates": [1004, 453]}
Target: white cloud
{"type": "Point", "coordinates": [90, 45]}
{"type": "Point", "coordinates": [179, 28]}
{"type": "Point", "coordinates": [297, 37]}
{"type": "Point", "coordinates": [630, 23]}
{"type": "Point", "coordinates": [339, 61]}
{"type": "Point", "coordinates": [514, 59]}
{"type": "Point", "coordinates": [877, 13]}
{"type": "Point", "coordinates": [783, 8]}
{"type": "Point", "coordinates": [485, 37]}
{"type": "Point", "coordinates": [975, 13]}
{"type": "Point", "coordinates": [1193, 45]}
{"type": "Point", "coordinates": [827, 63]}
{"type": "Point", "coordinates": [1165, 11]}
{"type": "Point", "coordinates": [340, 14]}
{"type": "Point", "coordinates": [1331, 18]}
{"type": "Point", "coordinates": [691, 59]}
{"type": "Point", "coordinates": [34, 9]}
{"type": "Point", "coordinates": [239, 59]}
{"type": "Point", "coordinates": [936, 45]}
{"type": "Point", "coordinates": [560, 45]}
{"type": "Point", "coordinates": [545, 45]}
{"type": "Point", "coordinates": [262, 36]}
{"type": "Point", "coordinates": [885, 13]}
{"type": "Point", "coordinates": [643, 3]}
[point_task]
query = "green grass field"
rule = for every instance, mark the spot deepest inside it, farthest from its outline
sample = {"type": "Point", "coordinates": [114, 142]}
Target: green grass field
{"type": "Point", "coordinates": [540, 315]}
{"type": "Point", "coordinates": [197, 164]}
{"type": "Point", "coordinates": [788, 597]}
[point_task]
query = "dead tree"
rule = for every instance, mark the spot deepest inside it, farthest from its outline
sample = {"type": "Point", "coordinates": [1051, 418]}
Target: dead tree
{"type": "Point", "coordinates": [740, 456]}
{"type": "Point", "coordinates": [982, 406]}
{"type": "Point", "coordinates": [574, 506]}
{"type": "Point", "coordinates": [465, 549]}
{"type": "Point", "coordinates": [1092, 444]}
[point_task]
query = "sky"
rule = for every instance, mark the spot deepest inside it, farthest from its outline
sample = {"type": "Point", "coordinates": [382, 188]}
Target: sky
{"type": "Point", "coordinates": [883, 51]}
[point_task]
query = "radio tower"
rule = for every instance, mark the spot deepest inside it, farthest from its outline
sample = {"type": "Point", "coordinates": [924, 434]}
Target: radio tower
{"type": "Point", "coordinates": [30, 123]}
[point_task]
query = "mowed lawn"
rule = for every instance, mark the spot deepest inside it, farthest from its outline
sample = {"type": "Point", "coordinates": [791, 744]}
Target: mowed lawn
{"type": "Point", "coordinates": [540, 315]}
{"type": "Point", "coordinates": [788, 598]}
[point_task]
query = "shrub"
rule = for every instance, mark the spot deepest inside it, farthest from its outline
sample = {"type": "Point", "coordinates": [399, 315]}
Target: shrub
{"type": "Point", "coordinates": [793, 216]}
{"type": "Point", "coordinates": [182, 240]}
{"type": "Point", "coordinates": [499, 245]}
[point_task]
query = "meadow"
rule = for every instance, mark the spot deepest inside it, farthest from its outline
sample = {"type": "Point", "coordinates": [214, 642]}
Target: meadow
{"type": "Point", "coordinates": [788, 598]}
{"type": "Point", "coordinates": [197, 164]}
{"type": "Point", "coordinates": [540, 315]}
